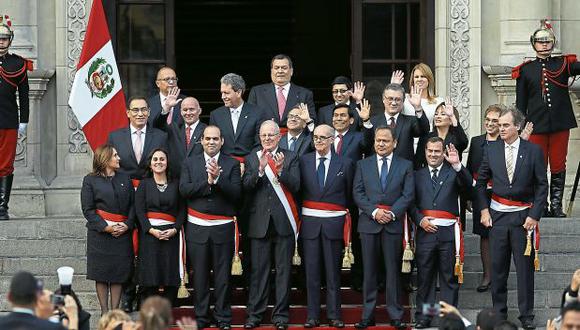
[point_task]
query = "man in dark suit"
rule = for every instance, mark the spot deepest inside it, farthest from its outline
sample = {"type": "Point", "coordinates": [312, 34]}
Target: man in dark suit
{"type": "Point", "coordinates": [135, 142]}
{"type": "Point", "coordinates": [166, 81]}
{"type": "Point", "coordinates": [238, 121]}
{"type": "Point", "coordinates": [326, 194]}
{"type": "Point", "coordinates": [211, 232]}
{"type": "Point", "coordinates": [25, 290]}
{"type": "Point", "coordinates": [280, 96]}
{"type": "Point", "coordinates": [271, 180]}
{"type": "Point", "coordinates": [347, 141]}
{"type": "Point", "coordinates": [405, 127]}
{"type": "Point", "coordinates": [383, 189]}
{"type": "Point", "coordinates": [519, 192]}
{"type": "Point", "coordinates": [342, 92]}
{"type": "Point", "coordinates": [436, 213]}
{"type": "Point", "coordinates": [298, 138]}
{"type": "Point", "coordinates": [183, 136]}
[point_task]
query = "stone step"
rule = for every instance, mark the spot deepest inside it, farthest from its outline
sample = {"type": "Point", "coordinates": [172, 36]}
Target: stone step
{"type": "Point", "coordinates": [471, 299]}
{"type": "Point", "coordinates": [80, 283]}
{"type": "Point", "coordinates": [45, 228]}
{"type": "Point", "coordinates": [548, 262]}
{"type": "Point", "coordinates": [42, 265]}
{"type": "Point", "coordinates": [549, 243]}
{"type": "Point", "coordinates": [43, 247]}
{"type": "Point", "coordinates": [542, 280]}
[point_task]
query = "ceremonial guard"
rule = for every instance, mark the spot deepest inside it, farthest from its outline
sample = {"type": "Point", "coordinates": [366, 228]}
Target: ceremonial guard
{"type": "Point", "coordinates": [542, 95]}
{"type": "Point", "coordinates": [13, 78]}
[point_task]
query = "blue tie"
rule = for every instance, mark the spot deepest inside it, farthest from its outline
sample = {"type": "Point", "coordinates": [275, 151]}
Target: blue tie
{"type": "Point", "coordinates": [291, 143]}
{"type": "Point", "coordinates": [320, 172]}
{"type": "Point", "coordinates": [384, 172]}
{"type": "Point", "coordinates": [434, 178]}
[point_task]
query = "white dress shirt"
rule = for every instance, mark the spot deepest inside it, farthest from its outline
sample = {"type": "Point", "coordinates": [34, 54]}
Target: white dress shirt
{"type": "Point", "coordinates": [134, 137]}
{"type": "Point", "coordinates": [337, 139]}
{"type": "Point", "coordinates": [285, 90]}
{"type": "Point", "coordinates": [326, 163]}
{"type": "Point", "coordinates": [235, 114]}
{"type": "Point", "coordinates": [516, 148]}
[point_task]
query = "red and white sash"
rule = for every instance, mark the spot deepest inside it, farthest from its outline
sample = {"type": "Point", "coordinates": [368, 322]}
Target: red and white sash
{"type": "Point", "coordinates": [329, 210]}
{"type": "Point", "coordinates": [443, 218]}
{"type": "Point", "coordinates": [111, 219]}
{"type": "Point", "coordinates": [163, 219]}
{"type": "Point", "coordinates": [283, 195]}
{"type": "Point", "coordinates": [206, 220]}
{"type": "Point", "coordinates": [501, 204]}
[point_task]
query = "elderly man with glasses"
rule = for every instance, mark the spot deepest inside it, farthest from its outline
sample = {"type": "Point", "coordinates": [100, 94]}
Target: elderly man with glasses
{"type": "Point", "coordinates": [166, 82]}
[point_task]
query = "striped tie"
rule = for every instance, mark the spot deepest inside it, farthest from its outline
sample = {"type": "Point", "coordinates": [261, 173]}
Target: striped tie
{"type": "Point", "coordinates": [509, 162]}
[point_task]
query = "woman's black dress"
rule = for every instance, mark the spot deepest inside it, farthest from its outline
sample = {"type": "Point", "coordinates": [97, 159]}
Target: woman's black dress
{"type": "Point", "coordinates": [109, 259]}
{"type": "Point", "coordinates": [158, 262]}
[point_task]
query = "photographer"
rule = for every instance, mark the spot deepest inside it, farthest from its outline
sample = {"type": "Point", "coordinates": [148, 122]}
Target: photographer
{"type": "Point", "coordinates": [58, 309]}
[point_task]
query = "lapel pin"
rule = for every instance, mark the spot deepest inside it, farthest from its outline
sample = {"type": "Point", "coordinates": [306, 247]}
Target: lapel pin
{"type": "Point", "coordinates": [440, 182]}
{"type": "Point", "coordinates": [122, 185]}
{"type": "Point", "coordinates": [245, 117]}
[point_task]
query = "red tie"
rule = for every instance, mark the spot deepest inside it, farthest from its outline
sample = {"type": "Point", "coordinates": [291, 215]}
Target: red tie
{"type": "Point", "coordinates": [187, 136]}
{"type": "Point", "coordinates": [392, 123]}
{"type": "Point", "coordinates": [339, 145]}
{"type": "Point", "coordinates": [281, 101]}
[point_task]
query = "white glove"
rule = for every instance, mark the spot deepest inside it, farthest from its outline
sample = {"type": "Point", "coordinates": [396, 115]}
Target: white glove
{"type": "Point", "coordinates": [22, 128]}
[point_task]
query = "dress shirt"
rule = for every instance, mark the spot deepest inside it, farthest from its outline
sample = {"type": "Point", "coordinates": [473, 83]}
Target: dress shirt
{"type": "Point", "coordinates": [236, 119]}
{"type": "Point", "coordinates": [285, 90]}
{"type": "Point", "coordinates": [134, 138]}
{"type": "Point", "coordinates": [438, 168]}
{"type": "Point", "coordinates": [192, 128]}
{"type": "Point", "coordinates": [326, 162]}
{"type": "Point", "coordinates": [516, 145]}
{"type": "Point", "coordinates": [337, 139]}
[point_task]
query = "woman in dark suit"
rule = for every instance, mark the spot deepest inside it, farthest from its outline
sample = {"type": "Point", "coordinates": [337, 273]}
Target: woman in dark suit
{"type": "Point", "coordinates": [107, 202]}
{"type": "Point", "coordinates": [161, 215]}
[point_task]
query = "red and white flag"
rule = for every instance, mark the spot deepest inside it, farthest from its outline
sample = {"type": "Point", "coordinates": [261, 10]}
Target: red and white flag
{"type": "Point", "coordinates": [96, 97]}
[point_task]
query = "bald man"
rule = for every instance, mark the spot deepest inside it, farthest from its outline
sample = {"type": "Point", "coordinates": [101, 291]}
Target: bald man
{"type": "Point", "coordinates": [165, 81]}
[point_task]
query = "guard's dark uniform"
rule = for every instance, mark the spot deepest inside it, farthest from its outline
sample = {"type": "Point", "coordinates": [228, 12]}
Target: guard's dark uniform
{"type": "Point", "coordinates": [13, 78]}
{"type": "Point", "coordinates": [542, 95]}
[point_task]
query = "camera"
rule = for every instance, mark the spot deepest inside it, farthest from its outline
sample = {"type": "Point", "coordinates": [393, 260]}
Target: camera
{"type": "Point", "coordinates": [57, 300]}
{"type": "Point", "coordinates": [431, 309]}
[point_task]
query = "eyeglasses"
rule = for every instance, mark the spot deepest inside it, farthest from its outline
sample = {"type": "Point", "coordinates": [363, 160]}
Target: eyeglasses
{"type": "Point", "coordinates": [320, 137]}
{"type": "Point", "coordinates": [135, 111]}
{"type": "Point", "coordinates": [393, 99]}
{"type": "Point", "coordinates": [169, 80]}
{"type": "Point", "coordinates": [339, 91]}
{"type": "Point", "coordinates": [293, 117]}
{"type": "Point", "coordinates": [269, 136]}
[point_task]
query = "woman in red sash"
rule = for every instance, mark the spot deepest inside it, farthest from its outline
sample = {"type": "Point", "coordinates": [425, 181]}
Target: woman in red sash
{"type": "Point", "coordinates": [161, 215]}
{"type": "Point", "coordinates": [107, 198]}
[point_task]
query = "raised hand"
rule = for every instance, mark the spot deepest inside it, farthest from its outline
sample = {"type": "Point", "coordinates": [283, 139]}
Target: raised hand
{"type": "Point", "coordinates": [365, 110]}
{"type": "Point", "coordinates": [415, 97]}
{"type": "Point", "coordinates": [452, 155]}
{"type": "Point", "coordinates": [359, 91]}
{"type": "Point", "coordinates": [172, 99]}
{"type": "Point", "coordinates": [397, 77]}
{"type": "Point", "coordinates": [527, 131]}
{"type": "Point", "coordinates": [304, 114]}
{"type": "Point", "coordinates": [448, 109]}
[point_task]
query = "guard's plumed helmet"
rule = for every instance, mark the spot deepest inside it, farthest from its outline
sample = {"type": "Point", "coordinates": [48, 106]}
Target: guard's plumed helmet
{"type": "Point", "coordinates": [543, 34]}
{"type": "Point", "coordinates": [6, 28]}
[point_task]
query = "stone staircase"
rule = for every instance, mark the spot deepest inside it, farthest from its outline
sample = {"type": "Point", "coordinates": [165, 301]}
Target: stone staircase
{"type": "Point", "coordinates": [44, 244]}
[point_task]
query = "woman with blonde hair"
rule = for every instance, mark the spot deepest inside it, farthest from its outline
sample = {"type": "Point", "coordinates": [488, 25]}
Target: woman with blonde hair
{"type": "Point", "coordinates": [111, 319]}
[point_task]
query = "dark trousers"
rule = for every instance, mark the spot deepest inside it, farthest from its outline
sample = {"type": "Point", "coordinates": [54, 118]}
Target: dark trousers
{"type": "Point", "coordinates": [392, 247]}
{"type": "Point", "coordinates": [435, 256]}
{"type": "Point", "coordinates": [317, 251]}
{"type": "Point", "coordinates": [507, 237]}
{"type": "Point", "coordinates": [203, 258]}
{"type": "Point", "coordinates": [283, 247]}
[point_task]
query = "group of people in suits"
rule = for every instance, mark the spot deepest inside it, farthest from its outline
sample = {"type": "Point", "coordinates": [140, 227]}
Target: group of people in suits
{"type": "Point", "coordinates": [338, 194]}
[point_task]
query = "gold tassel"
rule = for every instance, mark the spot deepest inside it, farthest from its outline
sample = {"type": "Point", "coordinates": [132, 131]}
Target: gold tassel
{"type": "Point", "coordinates": [460, 276]}
{"type": "Point", "coordinates": [296, 260]}
{"type": "Point", "coordinates": [537, 261]}
{"type": "Point", "coordinates": [528, 251]}
{"type": "Point", "coordinates": [406, 267]}
{"type": "Point", "coordinates": [237, 265]}
{"type": "Point", "coordinates": [350, 254]}
{"type": "Point", "coordinates": [408, 254]}
{"type": "Point", "coordinates": [457, 266]}
{"type": "Point", "coordinates": [182, 292]}
{"type": "Point", "coordinates": [346, 259]}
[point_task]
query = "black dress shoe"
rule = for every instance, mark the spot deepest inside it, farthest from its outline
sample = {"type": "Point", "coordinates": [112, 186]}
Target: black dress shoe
{"type": "Point", "coordinates": [396, 323]}
{"type": "Point", "coordinates": [336, 323]}
{"type": "Point", "coordinates": [528, 324]}
{"type": "Point", "coordinates": [365, 323]}
{"type": "Point", "coordinates": [311, 323]}
{"type": "Point", "coordinates": [251, 325]}
{"type": "Point", "coordinates": [483, 287]}
{"type": "Point", "coordinates": [281, 325]}
{"type": "Point", "coordinates": [422, 324]}
{"type": "Point", "coordinates": [225, 326]}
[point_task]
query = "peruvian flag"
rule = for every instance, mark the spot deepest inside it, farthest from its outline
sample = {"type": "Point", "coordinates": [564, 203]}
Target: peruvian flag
{"type": "Point", "coordinates": [96, 97]}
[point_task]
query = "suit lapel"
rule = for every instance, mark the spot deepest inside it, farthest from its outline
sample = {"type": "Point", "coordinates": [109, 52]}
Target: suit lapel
{"type": "Point", "coordinates": [399, 126]}
{"type": "Point", "coordinates": [129, 144]}
{"type": "Point", "coordinates": [284, 141]}
{"type": "Point", "coordinates": [392, 170]}
{"type": "Point", "coordinates": [333, 169]}
{"type": "Point", "coordinates": [194, 138]}
{"type": "Point", "coordinates": [346, 141]}
{"type": "Point", "coordinates": [242, 121]}
{"type": "Point", "coordinates": [181, 137]}
{"type": "Point", "coordinates": [227, 119]}
{"type": "Point", "coordinates": [299, 142]}
{"type": "Point", "coordinates": [375, 171]}
{"type": "Point", "coordinates": [441, 179]}
{"type": "Point", "coordinates": [290, 101]}
{"type": "Point", "coordinates": [501, 155]}
{"type": "Point", "coordinates": [270, 91]}
{"type": "Point", "coordinates": [522, 152]}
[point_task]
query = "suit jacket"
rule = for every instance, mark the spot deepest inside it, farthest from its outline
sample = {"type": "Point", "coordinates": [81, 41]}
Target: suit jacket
{"type": "Point", "coordinates": [176, 146]}
{"type": "Point", "coordinates": [529, 183]}
{"type": "Point", "coordinates": [302, 145]}
{"type": "Point", "coordinates": [246, 137]}
{"type": "Point", "coordinates": [368, 193]}
{"type": "Point", "coordinates": [444, 198]}
{"type": "Point", "coordinates": [264, 96]}
{"type": "Point", "coordinates": [407, 127]}
{"type": "Point", "coordinates": [23, 321]}
{"type": "Point", "coordinates": [263, 203]}
{"type": "Point", "coordinates": [219, 199]}
{"type": "Point", "coordinates": [154, 102]}
{"type": "Point", "coordinates": [121, 140]}
{"type": "Point", "coordinates": [553, 112]}
{"type": "Point", "coordinates": [325, 115]}
{"type": "Point", "coordinates": [337, 190]}
{"type": "Point", "coordinates": [356, 144]}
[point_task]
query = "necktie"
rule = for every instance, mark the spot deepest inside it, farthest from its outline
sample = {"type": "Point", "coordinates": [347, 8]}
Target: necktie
{"type": "Point", "coordinates": [434, 178]}
{"type": "Point", "coordinates": [235, 119]}
{"type": "Point", "coordinates": [392, 122]}
{"type": "Point", "coordinates": [187, 136]}
{"type": "Point", "coordinates": [138, 146]}
{"type": "Point", "coordinates": [292, 143]}
{"type": "Point", "coordinates": [509, 162]}
{"type": "Point", "coordinates": [320, 172]}
{"type": "Point", "coordinates": [384, 173]}
{"type": "Point", "coordinates": [281, 101]}
{"type": "Point", "coordinates": [339, 145]}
